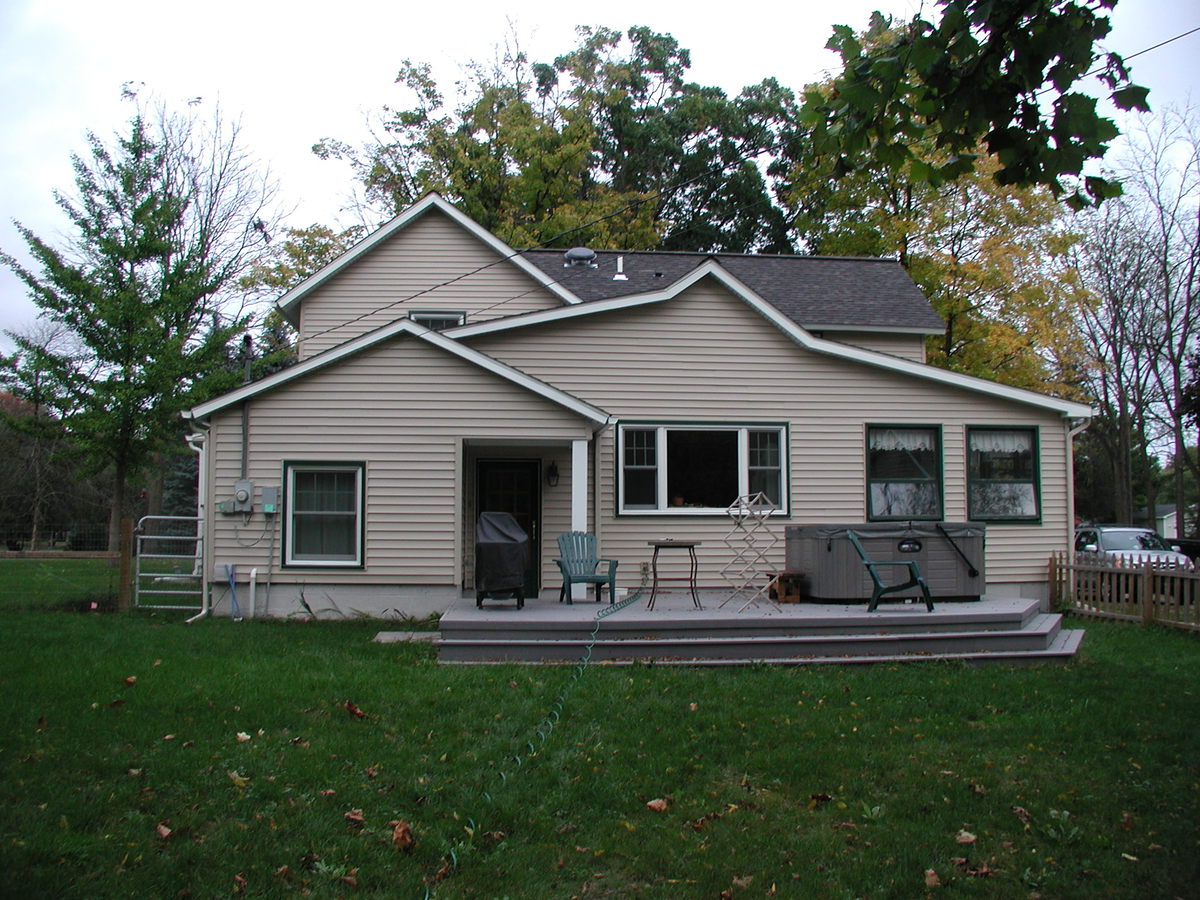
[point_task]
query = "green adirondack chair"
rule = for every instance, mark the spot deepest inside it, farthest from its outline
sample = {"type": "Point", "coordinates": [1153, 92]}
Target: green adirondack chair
{"type": "Point", "coordinates": [915, 579]}
{"type": "Point", "coordinates": [578, 563]}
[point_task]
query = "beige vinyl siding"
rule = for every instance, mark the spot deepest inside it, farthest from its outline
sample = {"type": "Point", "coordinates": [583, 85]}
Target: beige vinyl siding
{"type": "Point", "coordinates": [428, 251]}
{"type": "Point", "coordinates": [905, 346]}
{"type": "Point", "coordinates": [707, 356]}
{"type": "Point", "coordinates": [403, 408]}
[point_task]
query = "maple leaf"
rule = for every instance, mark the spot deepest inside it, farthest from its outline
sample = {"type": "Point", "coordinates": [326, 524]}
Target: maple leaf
{"type": "Point", "coordinates": [402, 835]}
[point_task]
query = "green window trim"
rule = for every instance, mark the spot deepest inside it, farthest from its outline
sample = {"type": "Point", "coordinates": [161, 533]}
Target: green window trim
{"type": "Point", "coordinates": [904, 473]}
{"type": "Point", "coordinates": [324, 514]}
{"type": "Point", "coordinates": [1004, 474]}
{"type": "Point", "coordinates": [699, 468]}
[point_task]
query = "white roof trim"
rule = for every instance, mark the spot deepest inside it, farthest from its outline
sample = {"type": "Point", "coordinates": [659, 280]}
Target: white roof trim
{"type": "Point", "coordinates": [713, 269]}
{"type": "Point", "coordinates": [402, 326]}
{"type": "Point", "coordinates": [288, 301]}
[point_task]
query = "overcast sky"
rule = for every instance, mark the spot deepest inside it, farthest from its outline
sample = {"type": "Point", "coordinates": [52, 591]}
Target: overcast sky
{"type": "Point", "coordinates": [297, 71]}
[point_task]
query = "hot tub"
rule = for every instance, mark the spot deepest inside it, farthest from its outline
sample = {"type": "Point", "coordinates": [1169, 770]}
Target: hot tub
{"type": "Point", "coordinates": [949, 554]}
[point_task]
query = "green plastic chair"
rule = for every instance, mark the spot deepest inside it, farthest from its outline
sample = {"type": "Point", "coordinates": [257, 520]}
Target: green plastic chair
{"type": "Point", "coordinates": [914, 575]}
{"type": "Point", "coordinates": [578, 563]}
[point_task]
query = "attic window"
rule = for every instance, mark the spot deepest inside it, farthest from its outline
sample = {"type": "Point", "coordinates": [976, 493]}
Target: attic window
{"type": "Point", "coordinates": [438, 320]}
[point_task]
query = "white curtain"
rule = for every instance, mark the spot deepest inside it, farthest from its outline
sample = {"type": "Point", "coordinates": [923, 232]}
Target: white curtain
{"type": "Point", "coordinates": [911, 439]}
{"type": "Point", "coordinates": [1002, 441]}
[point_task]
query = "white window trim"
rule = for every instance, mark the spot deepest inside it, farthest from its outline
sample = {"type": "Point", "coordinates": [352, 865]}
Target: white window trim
{"type": "Point", "coordinates": [660, 454]}
{"type": "Point", "coordinates": [289, 557]}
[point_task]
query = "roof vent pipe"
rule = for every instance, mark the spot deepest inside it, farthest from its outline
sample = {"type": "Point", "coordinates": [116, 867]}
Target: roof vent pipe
{"type": "Point", "coordinates": [620, 276]}
{"type": "Point", "coordinates": [579, 257]}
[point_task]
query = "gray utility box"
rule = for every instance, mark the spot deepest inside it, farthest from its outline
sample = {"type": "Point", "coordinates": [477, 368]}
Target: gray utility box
{"type": "Point", "coordinates": [949, 554]}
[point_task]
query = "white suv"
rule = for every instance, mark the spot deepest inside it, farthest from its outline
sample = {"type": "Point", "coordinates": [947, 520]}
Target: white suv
{"type": "Point", "coordinates": [1127, 545]}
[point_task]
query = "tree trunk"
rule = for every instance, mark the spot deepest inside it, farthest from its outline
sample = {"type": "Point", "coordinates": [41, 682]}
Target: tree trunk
{"type": "Point", "coordinates": [117, 509]}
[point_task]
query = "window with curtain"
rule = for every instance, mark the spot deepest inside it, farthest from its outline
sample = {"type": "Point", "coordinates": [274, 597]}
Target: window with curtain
{"type": "Point", "coordinates": [1002, 474]}
{"type": "Point", "coordinates": [699, 468]}
{"type": "Point", "coordinates": [904, 472]}
{"type": "Point", "coordinates": [324, 518]}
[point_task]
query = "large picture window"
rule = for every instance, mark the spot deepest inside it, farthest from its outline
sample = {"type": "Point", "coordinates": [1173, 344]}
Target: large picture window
{"type": "Point", "coordinates": [904, 472]}
{"type": "Point", "coordinates": [324, 514]}
{"type": "Point", "coordinates": [696, 469]}
{"type": "Point", "coordinates": [1002, 474]}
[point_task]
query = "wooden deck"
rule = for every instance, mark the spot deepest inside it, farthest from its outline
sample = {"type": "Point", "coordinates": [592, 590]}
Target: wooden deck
{"type": "Point", "coordinates": [545, 631]}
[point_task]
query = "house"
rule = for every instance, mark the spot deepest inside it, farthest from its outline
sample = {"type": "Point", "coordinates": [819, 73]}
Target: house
{"type": "Point", "coordinates": [633, 395]}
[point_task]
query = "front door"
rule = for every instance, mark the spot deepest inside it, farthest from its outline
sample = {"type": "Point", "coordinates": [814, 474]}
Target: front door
{"type": "Point", "coordinates": [515, 486]}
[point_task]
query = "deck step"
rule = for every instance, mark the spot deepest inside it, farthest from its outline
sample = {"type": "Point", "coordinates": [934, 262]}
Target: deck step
{"type": "Point", "coordinates": [1038, 636]}
{"type": "Point", "coordinates": [993, 629]}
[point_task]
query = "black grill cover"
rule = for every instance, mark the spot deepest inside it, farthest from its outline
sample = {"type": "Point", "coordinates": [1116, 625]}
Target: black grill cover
{"type": "Point", "coordinates": [501, 553]}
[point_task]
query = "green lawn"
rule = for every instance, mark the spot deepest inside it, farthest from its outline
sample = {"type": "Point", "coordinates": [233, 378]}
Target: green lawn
{"type": "Point", "coordinates": [233, 765]}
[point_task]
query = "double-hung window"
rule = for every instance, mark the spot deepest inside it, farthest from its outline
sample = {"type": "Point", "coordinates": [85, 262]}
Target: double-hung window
{"type": "Point", "coordinates": [904, 472]}
{"type": "Point", "coordinates": [1002, 475]}
{"type": "Point", "coordinates": [323, 524]}
{"type": "Point", "coordinates": [698, 469]}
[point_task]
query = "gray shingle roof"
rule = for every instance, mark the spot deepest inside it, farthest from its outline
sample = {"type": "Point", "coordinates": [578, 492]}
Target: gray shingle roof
{"type": "Point", "coordinates": [814, 291]}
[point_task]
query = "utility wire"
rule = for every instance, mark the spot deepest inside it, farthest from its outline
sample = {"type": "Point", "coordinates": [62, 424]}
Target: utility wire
{"type": "Point", "coordinates": [653, 197]}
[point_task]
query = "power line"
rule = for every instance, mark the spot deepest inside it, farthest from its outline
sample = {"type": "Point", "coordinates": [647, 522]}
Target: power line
{"type": "Point", "coordinates": [653, 197]}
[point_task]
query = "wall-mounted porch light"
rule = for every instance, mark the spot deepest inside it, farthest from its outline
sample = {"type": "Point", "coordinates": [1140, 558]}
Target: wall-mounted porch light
{"type": "Point", "coordinates": [552, 474]}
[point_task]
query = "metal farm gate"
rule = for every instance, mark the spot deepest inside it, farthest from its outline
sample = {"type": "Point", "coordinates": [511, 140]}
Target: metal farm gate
{"type": "Point", "coordinates": [168, 563]}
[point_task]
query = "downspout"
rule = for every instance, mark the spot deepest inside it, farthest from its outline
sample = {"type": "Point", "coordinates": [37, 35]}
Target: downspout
{"type": "Point", "coordinates": [196, 441]}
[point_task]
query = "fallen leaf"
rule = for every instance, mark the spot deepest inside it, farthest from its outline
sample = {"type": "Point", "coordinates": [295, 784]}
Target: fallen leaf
{"type": "Point", "coordinates": [168, 737]}
{"type": "Point", "coordinates": [743, 882]}
{"type": "Point", "coordinates": [371, 772]}
{"type": "Point", "coordinates": [354, 816]}
{"type": "Point", "coordinates": [1022, 814]}
{"type": "Point", "coordinates": [157, 663]}
{"type": "Point", "coordinates": [284, 872]}
{"type": "Point", "coordinates": [354, 710]}
{"type": "Point", "coordinates": [977, 788]}
{"type": "Point", "coordinates": [162, 830]}
{"type": "Point", "coordinates": [402, 836]}
{"type": "Point", "coordinates": [239, 883]}
{"type": "Point", "coordinates": [693, 707]}
{"type": "Point", "coordinates": [41, 723]}
{"type": "Point", "coordinates": [328, 792]}
{"type": "Point", "coordinates": [131, 680]}
{"type": "Point", "coordinates": [116, 703]}
{"type": "Point", "coordinates": [931, 879]}
{"type": "Point", "coordinates": [238, 779]}
{"type": "Point", "coordinates": [134, 771]}
{"type": "Point", "coordinates": [242, 737]}
{"type": "Point", "coordinates": [1129, 857]}
{"type": "Point", "coordinates": [965, 837]}
{"type": "Point", "coordinates": [350, 878]}
{"type": "Point", "coordinates": [1126, 821]}
{"type": "Point", "coordinates": [658, 804]}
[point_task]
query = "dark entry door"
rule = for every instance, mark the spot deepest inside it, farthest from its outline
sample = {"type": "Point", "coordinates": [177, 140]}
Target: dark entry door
{"type": "Point", "coordinates": [514, 486]}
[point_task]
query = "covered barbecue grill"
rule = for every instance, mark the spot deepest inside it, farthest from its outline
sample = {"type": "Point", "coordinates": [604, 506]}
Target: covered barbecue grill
{"type": "Point", "coordinates": [501, 557]}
